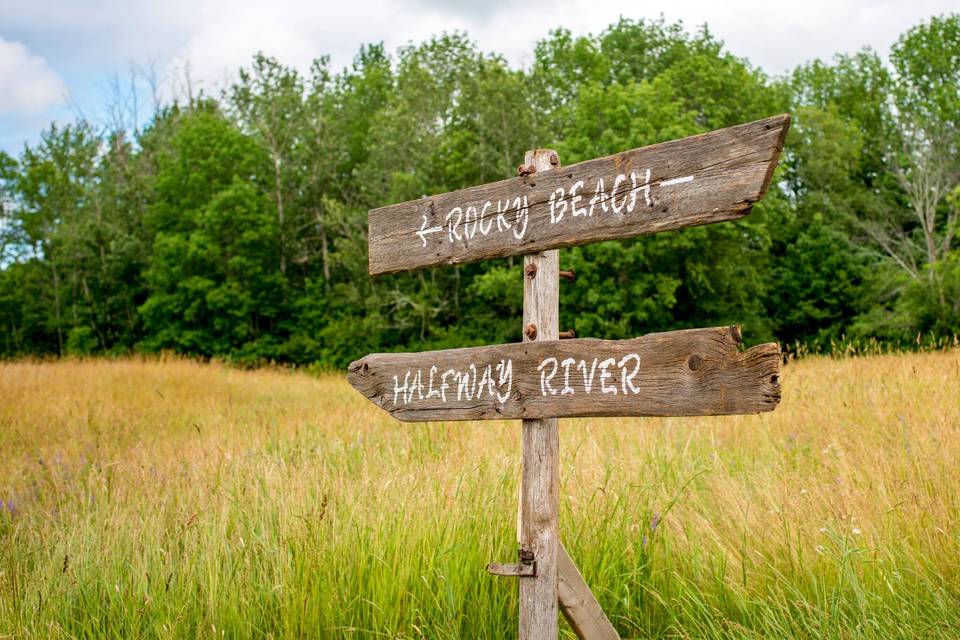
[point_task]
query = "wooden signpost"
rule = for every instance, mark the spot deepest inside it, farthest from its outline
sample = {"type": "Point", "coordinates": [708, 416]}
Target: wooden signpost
{"type": "Point", "coordinates": [698, 180]}
{"type": "Point", "coordinates": [697, 372]}
{"type": "Point", "coordinates": [703, 179]}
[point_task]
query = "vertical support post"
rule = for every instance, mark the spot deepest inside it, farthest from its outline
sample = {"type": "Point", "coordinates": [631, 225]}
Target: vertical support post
{"type": "Point", "coordinates": [540, 476]}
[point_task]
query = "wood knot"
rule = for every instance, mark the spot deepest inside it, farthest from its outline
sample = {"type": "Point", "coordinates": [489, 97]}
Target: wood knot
{"type": "Point", "coordinates": [695, 362]}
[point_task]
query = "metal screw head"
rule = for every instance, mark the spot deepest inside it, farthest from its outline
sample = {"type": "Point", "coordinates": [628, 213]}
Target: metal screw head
{"type": "Point", "coordinates": [531, 331]}
{"type": "Point", "coordinates": [554, 159]}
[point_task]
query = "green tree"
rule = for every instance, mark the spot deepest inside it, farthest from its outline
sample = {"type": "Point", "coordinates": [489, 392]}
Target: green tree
{"type": "Point", "coordinates": [237, 227]}
{"type": "Point", "coordinates": [216, 286]}
{"type": "Point", "coordinates": [217, 290]}
{"type": "Point", "coordinates": [53, 187]}
{"type": "Point", "coordinates": [926, 157]}
{"type": "Point", "coordinates": [640, 83]}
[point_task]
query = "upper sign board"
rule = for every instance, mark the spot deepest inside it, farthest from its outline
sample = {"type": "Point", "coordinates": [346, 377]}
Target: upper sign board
{"type": "Point", "coordinates": [702, 179]}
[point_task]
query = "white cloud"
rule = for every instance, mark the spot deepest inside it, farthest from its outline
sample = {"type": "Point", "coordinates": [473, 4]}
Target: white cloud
{"type": "Point", "coordinates": [217, 36]}
{"type": "Point", "coordinates": [776, 36]}
{"type": "Point", "coordinates": [225, 35]}
{"type": "Point", "coordinates": [27, 85]}
{"type": "Point", "coordinates": [88, 41]}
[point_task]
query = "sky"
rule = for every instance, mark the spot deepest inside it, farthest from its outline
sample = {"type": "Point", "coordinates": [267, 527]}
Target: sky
{"type": "Point", "coordinates": [60, 59]}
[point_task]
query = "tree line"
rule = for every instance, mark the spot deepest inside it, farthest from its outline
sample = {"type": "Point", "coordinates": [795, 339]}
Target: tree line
{"type": "Point", "coordinates": [234, 226]}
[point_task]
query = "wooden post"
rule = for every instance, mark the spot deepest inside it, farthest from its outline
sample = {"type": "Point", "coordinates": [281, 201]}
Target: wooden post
{"type": "Point", "coordinates": [540, 476]}
{"type": "Point", "coordinates": [578, 604]}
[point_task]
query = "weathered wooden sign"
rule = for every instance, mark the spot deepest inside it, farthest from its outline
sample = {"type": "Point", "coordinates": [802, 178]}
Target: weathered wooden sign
{"type": "Point", "coordinates": [707, 178]}
{"type": "Point", "coordinates": [679, 373]}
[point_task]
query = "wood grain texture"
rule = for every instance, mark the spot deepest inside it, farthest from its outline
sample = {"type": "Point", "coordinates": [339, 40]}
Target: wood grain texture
{"type": "Point", "coordinates": [540, 447]}
{"type": "Point", "coordinates": [512, 570]}
{"type": "Point", "coordinates": [681, 373]}
{"type": "Point", "coordinates": [578, 604]}
{"type": "Point", "coordinates": [698, 180]}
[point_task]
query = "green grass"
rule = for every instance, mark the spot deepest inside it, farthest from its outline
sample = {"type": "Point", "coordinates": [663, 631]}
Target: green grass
{"type": "Point", "coordinates": [174, 499]}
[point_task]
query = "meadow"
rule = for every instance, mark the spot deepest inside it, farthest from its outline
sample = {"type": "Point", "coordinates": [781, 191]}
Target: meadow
{"type": "Point", "coordinates": [170, 498]}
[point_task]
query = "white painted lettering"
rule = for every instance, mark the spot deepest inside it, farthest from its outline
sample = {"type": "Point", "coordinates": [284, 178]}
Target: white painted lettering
{"type": "Point", "coordinates": [431, 392]}
{"type": "Point", "coordinates": [605, 375]}
{"type": "Point", "coordinates": [452, 226]}
{"type": "Point", "coordinates": [613, 195]}
{"type": "Point", "coordinates": [587, 381]}
{"type": "Point", "coordinates": [505, 377]}
{"type": "Point", "coordinates": [628, 378]}
{"type": "Point", "coordinates": [545, 379]}
{"type": "Point", "coordinates": [557, 202]}
{"type": "Point", "coordinates": [470, 217]}
{"type": "Point", "coordinates": [523, 214]}
{"type": "Point", "coordinates": [502, 208]}
{"type": "Point", "coordinates": [443, 383]}
{"type": "Point", "coordinates": [398, 390]}
{"type": "Point", "coordinates": [483, 216]}
{"type": "Point", "coordinates": [645, 187]}
{"type": "Point", "coordinates": [574, 199]}
{"type": "Point", "coordinates": [599, 196]}
{"type": "Point", "coordinates": [566, 364]}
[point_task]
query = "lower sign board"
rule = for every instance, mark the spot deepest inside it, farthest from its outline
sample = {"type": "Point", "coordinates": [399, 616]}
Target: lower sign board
{"type": "Point", "coordinates": [677, 373]}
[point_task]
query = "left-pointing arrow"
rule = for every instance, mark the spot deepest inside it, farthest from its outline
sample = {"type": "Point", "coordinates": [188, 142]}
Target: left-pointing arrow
{"type": "Point", "coordinates": [424, 231]}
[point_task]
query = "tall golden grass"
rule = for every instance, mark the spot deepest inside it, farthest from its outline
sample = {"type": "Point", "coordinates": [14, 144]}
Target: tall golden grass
{"type": "Point", "coordinates": [169, 498]}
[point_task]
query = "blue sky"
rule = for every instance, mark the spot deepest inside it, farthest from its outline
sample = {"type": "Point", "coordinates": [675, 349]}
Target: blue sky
{"type": "Point", "coordinates": [58, 58]}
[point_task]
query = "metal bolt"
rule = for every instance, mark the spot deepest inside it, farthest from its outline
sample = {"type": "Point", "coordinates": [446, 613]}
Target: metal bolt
{"type": "Point", "coordinates": [531, 331]}
{"type": "Point", "coordinates": [566, 335]}
{"type": "Point", "coordinates": [526, 171]}
{"type": "Point", "coordinates": [568, 275]}
{"type": "Point", "coordinates": [554, 159]}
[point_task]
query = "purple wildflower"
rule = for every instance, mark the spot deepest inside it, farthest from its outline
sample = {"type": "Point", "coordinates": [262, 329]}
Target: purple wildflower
{"type": "Point", "coordinates": [653, 528]}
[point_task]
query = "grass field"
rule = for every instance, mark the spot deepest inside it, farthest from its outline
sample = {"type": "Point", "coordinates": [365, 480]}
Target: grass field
{"type": "Point", "coordinates": [177, 499]}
